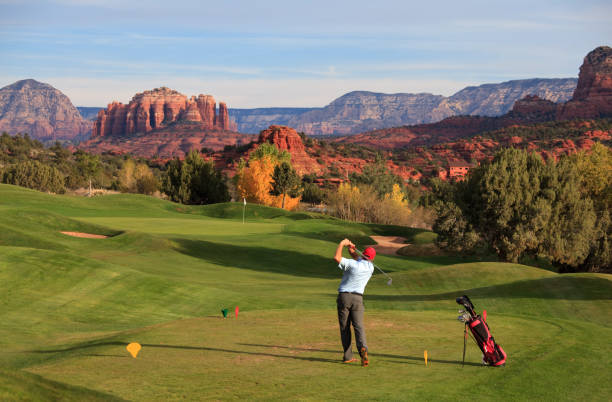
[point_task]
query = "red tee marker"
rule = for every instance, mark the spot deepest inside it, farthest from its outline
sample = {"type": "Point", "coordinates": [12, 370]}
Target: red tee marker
{"type": "Point", "coordinates": [236, 312]}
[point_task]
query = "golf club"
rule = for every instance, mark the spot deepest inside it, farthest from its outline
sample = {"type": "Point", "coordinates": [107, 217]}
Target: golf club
{"type": "Point", "coordinates": [376, 266]}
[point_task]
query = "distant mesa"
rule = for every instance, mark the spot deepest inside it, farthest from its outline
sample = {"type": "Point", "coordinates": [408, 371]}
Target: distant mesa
{"type": "Point", "coordinates": [361, 111]}
{"type": "Point", "coordinates": [158, 109]}
{"type": "Point", "coordinates": [43, 112]}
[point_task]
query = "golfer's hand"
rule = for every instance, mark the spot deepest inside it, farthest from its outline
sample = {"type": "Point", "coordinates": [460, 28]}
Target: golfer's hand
{"type": "Point", "coordinates": [347, 242]}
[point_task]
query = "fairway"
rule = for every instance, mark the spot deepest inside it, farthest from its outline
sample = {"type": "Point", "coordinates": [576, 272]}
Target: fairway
{"type": "Point", "coordinates": [69, 307]}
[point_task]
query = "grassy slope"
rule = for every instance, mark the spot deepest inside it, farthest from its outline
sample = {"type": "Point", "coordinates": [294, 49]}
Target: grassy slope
{"type": "Point", "coordinates": [69, 305]}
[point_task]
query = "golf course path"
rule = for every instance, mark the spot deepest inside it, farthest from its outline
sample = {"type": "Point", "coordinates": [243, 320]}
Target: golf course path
{"type": "Point", "coordinates": [85, 235]}
{"type": "Point", "coordinates": [388, 244]}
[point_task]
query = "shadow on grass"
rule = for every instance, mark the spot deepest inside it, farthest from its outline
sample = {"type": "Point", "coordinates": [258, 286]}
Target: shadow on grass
{"type": "Point", "coordinates": [182, 347]}
{"type": "Point", "coordinates": [562, 287]}
{"type": "Point", "coordinates": [399, 357]}
{"type": "Point", "coordinates": [287, 262]}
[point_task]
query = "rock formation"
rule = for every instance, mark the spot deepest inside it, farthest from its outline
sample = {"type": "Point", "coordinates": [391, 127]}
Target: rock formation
{"type": "Point", "coordinates": [43, 112]}
{"type": "Point", "coordinates": [533, 108]}
{"type": "Point", "coordinates": [166, 143]}
{"type": "Point", "coordinates": [593, 95]}
{"type": "Point", "coordinates": [254, 120]}
{"type": "Point", "coordinates": [362, 111]}
{"type": "Point", "coordinates": [157, 109]}
{"type": "Point", "coordinates": [287, 139]}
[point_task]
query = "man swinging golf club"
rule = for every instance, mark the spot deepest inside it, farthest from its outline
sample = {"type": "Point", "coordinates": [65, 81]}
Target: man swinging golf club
{"type": "Point", "coordinates": [357, 273]}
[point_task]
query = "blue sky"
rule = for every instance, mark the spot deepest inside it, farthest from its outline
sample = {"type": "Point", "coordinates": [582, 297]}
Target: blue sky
{"type": "Point", "coordinates": [263, 53]}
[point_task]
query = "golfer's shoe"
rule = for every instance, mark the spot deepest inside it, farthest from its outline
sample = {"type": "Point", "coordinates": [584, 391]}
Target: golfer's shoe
{"type": "Point", "coordinates": [364, 357]}
{"type": "Point", "coordinates": [350, 360]}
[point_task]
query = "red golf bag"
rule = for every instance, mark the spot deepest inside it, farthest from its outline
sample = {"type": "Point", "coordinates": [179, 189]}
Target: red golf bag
{"type": "Point", "coordinates": [493, 354]}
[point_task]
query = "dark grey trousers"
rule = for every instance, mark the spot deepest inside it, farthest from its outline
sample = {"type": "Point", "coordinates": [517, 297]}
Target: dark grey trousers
{"type": "Point", "coordinates": [350, 311]}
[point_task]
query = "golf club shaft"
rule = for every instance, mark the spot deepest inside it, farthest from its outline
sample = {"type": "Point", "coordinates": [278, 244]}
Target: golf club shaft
{"type": "Point", "coordinates": [375, 266]}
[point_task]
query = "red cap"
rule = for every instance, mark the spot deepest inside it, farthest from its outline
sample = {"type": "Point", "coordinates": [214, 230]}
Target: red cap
{"type": "Point", "coordinates": [369, 253]}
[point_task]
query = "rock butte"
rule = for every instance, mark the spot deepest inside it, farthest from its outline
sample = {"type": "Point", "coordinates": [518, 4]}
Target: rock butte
{"type": "Point", "coordinates": [157, 109]}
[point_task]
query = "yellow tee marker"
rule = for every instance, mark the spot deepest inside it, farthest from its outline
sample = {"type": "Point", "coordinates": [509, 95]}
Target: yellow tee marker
{"type": "Point", "coordinates": [425, 354]}
{"type": "Point", "coordinates": [134, 348]}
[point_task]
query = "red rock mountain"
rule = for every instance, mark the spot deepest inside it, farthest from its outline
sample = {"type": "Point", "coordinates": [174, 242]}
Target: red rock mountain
{"type": "Point", "coordinates": [157, 109]}
{"type": "Point", "coordinates": [593, 95]}
{"type": "Point", "coordinates": [43, 112]}
{"type": "Point", "coordinates": [163, 123]}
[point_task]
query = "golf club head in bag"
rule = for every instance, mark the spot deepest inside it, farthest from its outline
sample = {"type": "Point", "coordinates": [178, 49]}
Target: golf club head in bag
{"type": "Point", "coordinates": [467, 303]}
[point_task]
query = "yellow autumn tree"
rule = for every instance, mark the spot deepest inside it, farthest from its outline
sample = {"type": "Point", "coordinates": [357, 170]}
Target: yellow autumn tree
{"type": "Point", "coordinates": [396, 196]}
{"type": "Point", "coordinates": [136, 178]}
{"type": "Point", "coordinates": [595, 168]}
{"type": "Point", "coordinates": [254, 180]}
{"type": "Point", "coordinates": [362, 204]}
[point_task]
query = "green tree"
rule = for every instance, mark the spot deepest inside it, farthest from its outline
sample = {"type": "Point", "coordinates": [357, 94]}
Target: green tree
{"type": "Point", "coordinates": [266, 149]}
{"type": "Point", "coordinates": [595, 171]}
{"type": "Point", "coordinates": [194, 181]}
{"type": "Point", "coordinates": [35, 175]}
{"type": "Point", "coordinates": [285, 181]}
{"type": "Point", "coordinates": [570, 229]}
{"type": "Point", "coordinates": [378, 176]}
{"type": "Point", "coordinates": [89, 166]}
{"type": "Point", "coordinates": [518, 206]}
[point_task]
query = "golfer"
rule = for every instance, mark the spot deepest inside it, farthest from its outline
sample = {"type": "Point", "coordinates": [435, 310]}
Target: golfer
{"type": "Point", "coordinates": [357, 273]}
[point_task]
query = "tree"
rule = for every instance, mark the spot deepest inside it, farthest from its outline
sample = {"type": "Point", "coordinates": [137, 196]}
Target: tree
{"type": "Point", "coordinates": [377, 175]}
{"type": "Point", "coordinates": [570, 230]}
{"type": "Point", "coordinates": [595, 171]}
{"type": "Point", "coordinates": [518, 206]}
{"type": "Point", "coordinates": [136, 177]}
{"type": "Point", "coordinates": [254, 179]}
{"type": "Point", "coordinates": [35, 175]}
{"type": "Point", "coordinates": [285, 181]}
{"type": "Point", "coordinates": [194, 181]}
{"type": "Point", "coordinates": [89, 165]}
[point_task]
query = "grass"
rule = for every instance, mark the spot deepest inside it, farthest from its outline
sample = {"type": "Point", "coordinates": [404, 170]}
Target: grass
{"type": "Point", "coordinates": [69, 306]}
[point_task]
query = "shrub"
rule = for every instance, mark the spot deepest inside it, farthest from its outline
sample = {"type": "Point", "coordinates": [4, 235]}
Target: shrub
{"type": "Point", "coordinates": [35, 175]}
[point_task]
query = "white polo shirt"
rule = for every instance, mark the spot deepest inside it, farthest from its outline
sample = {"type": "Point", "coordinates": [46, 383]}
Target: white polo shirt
{"type": "Point", "coordinates": [356, 274]}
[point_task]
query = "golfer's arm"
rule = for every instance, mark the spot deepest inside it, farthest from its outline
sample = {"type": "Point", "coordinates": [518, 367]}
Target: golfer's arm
{"type": "Point", "coordinates": [338, 256]}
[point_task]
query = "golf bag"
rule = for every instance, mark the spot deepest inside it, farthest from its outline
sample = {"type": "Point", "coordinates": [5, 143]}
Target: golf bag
{"type": "Point", "coordinates": [493, 354]}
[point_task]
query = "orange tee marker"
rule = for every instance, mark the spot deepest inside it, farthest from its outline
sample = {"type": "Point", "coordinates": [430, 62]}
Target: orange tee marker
{"type": "Point", "coordinates": [236, 312]}
{"type": "Point", "coordinates": [425, 355]}
{"type": "Point", "coordinates": [134, 348]}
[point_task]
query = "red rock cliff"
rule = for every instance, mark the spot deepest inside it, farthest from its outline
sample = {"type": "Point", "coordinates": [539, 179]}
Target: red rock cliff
{"type": "Point", "coordinates": [156, 109]}
{"type": "Point", "coordinates": [593, 95]}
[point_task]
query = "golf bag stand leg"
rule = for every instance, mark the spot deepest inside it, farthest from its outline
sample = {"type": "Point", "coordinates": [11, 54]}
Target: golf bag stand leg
{"type": "Point", "coordinates": [465, 336]}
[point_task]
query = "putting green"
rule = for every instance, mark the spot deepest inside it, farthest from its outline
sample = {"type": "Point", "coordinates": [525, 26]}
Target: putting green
{"type": "Point", "coordinates": [69, 306]}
